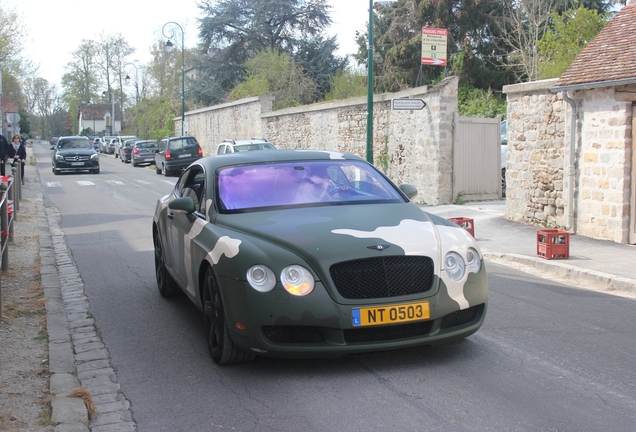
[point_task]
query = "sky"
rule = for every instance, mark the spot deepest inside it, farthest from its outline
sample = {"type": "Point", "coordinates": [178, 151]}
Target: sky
{"type": "Point", "coordinates": [55, 28]}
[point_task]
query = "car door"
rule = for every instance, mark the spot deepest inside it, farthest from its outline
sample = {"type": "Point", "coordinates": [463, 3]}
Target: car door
{"type": "Point", "coordinates": [182, 227]}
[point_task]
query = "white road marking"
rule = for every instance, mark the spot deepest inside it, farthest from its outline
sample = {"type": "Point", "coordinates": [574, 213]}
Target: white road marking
{"type": "Point", "coordinates": [143, 182]}
{"type": "Point", "coordinates": [116, 182]}
{"type": "Point", "coordinates": [53, 184]}
{"type": "Point", "coordinates": [168, 181]}
{"type": "Point", "coordinates": [86, 183]}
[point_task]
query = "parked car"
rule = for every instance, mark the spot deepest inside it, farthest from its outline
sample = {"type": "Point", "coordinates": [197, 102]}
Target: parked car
{"type": "Point", "coordinates": [97, 143]}
{"type": "Point", "coordinates": [74, 153]}
{"type": "Point", "coordinates": [174, 154]}
{"type": "Point", "coordinates": [307, 253]}
{"type": "Point", "coordinates": [105, 144]}
{"type": "Point", "coordinates": [232, 146]}
{"type": "Point", "coordinates": [119, 143]}
{"type": "Point", "coordinates": [143, 152]}
{"type": "Point", "coordinates": [125, 152]}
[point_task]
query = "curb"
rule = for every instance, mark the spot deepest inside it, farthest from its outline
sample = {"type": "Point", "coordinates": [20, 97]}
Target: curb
{"type": "Point", "coordinates": [598, 280]}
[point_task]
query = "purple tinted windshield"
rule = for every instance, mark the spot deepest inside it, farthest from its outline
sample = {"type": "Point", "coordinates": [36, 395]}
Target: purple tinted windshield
{"type": "Point", "coordinates": [301, 183]}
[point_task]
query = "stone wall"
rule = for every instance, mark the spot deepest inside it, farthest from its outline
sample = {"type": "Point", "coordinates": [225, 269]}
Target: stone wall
{"type": "Point", "coordinates": [539, 152]}
{"type": "Point", "coordinates": [604, 165]}
{"type": "Point", "coordinates": [409, 146]}
{"type": "Point", "coordinates": [535, 164]}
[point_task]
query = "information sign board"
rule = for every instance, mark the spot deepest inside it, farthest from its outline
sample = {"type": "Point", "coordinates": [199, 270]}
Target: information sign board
{"type": "Point", "coordinates": [434, 41]}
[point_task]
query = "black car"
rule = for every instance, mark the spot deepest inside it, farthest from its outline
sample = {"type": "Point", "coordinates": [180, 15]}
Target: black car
{"type": "Point", "coordinates": [74, 153]}
{"type": "Point", "coordinates": [177, 153]}
{"type": "Point", "coordinates": [125, 151]}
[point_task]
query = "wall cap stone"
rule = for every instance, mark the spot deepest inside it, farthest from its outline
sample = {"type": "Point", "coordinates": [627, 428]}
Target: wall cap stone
{"type": "Point", "coordinates": [533, 86]}
{"type": "Point", "coordinates": [227, 105]}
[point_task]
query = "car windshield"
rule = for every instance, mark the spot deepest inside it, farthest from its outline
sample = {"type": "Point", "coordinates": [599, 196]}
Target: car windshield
{"type": "Point", "coordinates": [303, 183]}
{"type": "Point", "coordinates": [146, 144]}
{"type": "Point", "coordinates": [74, 144]}
{"type": "Point", "coordinates": [181, 143]}
{"type": "Point", "coordinates": [252, 147]}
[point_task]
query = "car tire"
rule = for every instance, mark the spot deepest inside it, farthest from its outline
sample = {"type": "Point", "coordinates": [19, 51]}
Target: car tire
{"type": "Point", "coordinates": [166, 173]}
{"type": "Point", "coordinates": [167, 285]}
{"type": "Point", "coordinates": [157, 169]}
{"type": "Point", "coordinates": [217, 334]}
{"type": "Point", "coordinates": [134, 165]}
{"type": "Point", "coordinates": [95, 171]}
{"type": "Point", "coordinates": [56, 172]}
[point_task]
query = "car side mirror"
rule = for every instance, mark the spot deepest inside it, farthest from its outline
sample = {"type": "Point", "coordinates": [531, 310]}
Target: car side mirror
{"type": "Point", "coordinates": [185, 204]}
{"type": "Point", "coordinates": [409, 190]}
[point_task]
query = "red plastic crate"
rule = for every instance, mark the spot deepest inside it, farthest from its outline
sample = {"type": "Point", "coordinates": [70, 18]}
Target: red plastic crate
{"type": "Point", "coordinates": [553, 244]}
{"type": "Point", "coordinates": [465, 223]}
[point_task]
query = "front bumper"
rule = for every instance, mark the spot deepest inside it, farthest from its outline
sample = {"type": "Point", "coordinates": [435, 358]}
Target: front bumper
{"type": "Point", "coordinates": [279, 325]}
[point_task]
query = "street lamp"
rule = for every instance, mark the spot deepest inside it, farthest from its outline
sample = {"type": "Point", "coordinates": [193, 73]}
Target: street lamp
{"type": "Point", "coordinates": [370, 83]}
{"type": "Point", "coordinates": [169, 47]}
{"type": "Point", "coordinates": [128, 79]}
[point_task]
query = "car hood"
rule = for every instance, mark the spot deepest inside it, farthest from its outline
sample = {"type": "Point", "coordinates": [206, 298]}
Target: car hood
{"type": "Point", "coordinates": [78, 152]}
{"type": "Point", "coordinates": [325, 235]}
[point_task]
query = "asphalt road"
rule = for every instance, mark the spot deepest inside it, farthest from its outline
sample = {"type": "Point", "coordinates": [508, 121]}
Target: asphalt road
{"type": "Point", "coordinates": [548, 358]}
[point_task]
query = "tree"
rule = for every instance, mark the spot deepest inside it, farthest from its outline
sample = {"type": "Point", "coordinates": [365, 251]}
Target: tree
{"type": "Point", "coordinates": [566, 37]}
{"type": "Point", "coordinates": [11, 37]}
{"type": "Point", "coordinates": [233, 31]}
{"type": "Point", "coordinates": [317, 58]}
{"type": "Point", "coordinates": [473, 50]}
{"type": "Point", "coordinates": [346, 84]}
{"type": "Point", "coordinates": [272, 72]}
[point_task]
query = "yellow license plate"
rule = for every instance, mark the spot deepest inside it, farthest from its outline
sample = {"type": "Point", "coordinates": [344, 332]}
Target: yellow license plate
{"type": "Point", "coordinates": [390, 314]}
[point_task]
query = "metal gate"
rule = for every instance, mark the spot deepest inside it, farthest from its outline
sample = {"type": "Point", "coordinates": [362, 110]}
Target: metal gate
{"type": "Point", "coordinates": [477, 163]}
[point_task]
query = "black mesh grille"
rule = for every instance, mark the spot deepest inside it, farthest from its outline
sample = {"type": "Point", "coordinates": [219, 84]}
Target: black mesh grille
{"type": "Point", "coordinates": [383, 276]}
{"type": "Point", "coordinates": [293, 334]}
{"type": "Point", "coordinates": [459, 318]}
{"type": "Point", "coordinates": [386, 333]}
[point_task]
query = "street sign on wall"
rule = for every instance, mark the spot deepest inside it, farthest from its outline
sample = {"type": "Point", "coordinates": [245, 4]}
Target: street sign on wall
{"type": "Point", "coordinates": [407, 104]}
{"type": "Point", "coordinates": [434, 42]}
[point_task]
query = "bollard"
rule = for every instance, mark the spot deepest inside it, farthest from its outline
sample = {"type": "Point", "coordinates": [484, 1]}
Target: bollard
{"type": "Point", "coordinates": [4, 225]}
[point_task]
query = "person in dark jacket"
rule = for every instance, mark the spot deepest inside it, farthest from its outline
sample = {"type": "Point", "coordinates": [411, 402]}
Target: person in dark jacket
{"type": "Point", "coordinates": [4, 147]}
{"type": "Point", "coordinates": [17, 152]}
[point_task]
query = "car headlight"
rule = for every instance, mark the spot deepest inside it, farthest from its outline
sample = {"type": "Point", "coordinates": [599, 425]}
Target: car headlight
{"type": "Point", "coordinates": [297, 280]}
{"type": "Point", "coordinates": [474, 260]}
{"type": "Point", "coordinates": [95, 157]}
{"type": "Point", "coordinates": [59, 157]}
{"type": "Point", "coordinates": [454, 266]}
{"type": "Point", "coordinates": [261, 278]}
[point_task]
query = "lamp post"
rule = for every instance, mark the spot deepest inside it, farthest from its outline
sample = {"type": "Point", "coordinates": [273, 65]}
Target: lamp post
{"type": "Point", "coordinates": [127, 79]}
{"type": "Point", "coordinates": [112, 111]}
{"type": "Point", "coordinates": [370, 87]}
{"type": "Point", "coordinates": [168, 50]}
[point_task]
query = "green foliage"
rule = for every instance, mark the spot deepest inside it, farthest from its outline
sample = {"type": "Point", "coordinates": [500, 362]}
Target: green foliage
{"type": "Point", "coordinates": [347, 83]}
{"type": "Point", "coordinates": [86, 132]}
{"type": "Point", "coordinates": [153, 118]}
{"type": "Point", "coordinates": [568, 34]}
{"type": "Point", "coordinates": [474, 102]}
{"type": "Point", "coordinates": [234, 31]}
{"type": "Point", "coordinates": [273, 72]}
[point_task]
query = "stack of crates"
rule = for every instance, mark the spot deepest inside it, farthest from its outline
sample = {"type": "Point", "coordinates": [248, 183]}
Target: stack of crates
{"type": "Point", "coordinates": [465, 223]}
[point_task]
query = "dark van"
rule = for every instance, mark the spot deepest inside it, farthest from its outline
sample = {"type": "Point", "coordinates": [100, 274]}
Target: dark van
{"type": "Point", "coordinates": [175, 154]}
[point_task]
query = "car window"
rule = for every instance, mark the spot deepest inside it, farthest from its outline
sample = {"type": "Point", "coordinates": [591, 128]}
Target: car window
{"type": "Point", "coordinates": [74, 144]}
{"type": "Point", "coordinates": [303, 183]}
{"type": "Point", "coordinates": [192, 184]}
{"type": "Point", "coordinates": [182, 143]}
{"type": "Point", "coordinates": [146, 144]}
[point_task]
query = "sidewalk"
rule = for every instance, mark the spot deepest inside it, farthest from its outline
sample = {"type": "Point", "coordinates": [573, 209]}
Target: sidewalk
{"type": "Point", "coordinates": [593, 264]}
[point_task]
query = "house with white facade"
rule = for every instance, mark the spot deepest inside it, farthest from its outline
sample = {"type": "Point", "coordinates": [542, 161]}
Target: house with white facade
{"type": "Point", "coordinates": [97, 118]}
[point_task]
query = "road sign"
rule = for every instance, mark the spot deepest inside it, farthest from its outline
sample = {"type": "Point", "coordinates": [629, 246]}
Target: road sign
{"type": "Point", "coordinates": [407, 104]}
{"type": "Point", "coordinates": [13, 118]}
{"type": "Point", "coordinates": [434, 41]}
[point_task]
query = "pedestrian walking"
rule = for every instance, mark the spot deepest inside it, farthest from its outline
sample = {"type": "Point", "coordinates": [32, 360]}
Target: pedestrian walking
{"type": "Point", "coordinates": [17, 151]}
{"type": "Point", "coordinates": [4, 148]}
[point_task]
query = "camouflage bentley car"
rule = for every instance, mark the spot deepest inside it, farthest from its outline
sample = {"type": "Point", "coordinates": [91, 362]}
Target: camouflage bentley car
{"type": "Point", "coordinates": [300, 253]}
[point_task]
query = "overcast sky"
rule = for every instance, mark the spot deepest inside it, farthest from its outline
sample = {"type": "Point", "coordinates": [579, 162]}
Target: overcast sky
{"type": "Point", "coordinates": [55, 28]}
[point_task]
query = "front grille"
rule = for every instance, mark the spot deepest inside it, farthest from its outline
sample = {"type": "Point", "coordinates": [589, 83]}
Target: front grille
{"type": "Point", "coordinates": [77, 158]}
{"type": "Point", "coordinates": [460, 318]}
{"type": "Point", "coordinates": [387, 333]}
{"type": "Point", "coordinates": [383, 276]}
{"type": "Point", "coordinates": [293, 334]}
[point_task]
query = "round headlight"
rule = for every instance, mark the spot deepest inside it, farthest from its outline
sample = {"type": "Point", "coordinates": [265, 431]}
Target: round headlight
{"type": "Point", "coordinates": [454, 266]}
{"type": "Point", "coordinates": [297, 280]}
{"type": "Point", "coordinates": [473, 260]}
{"type": "Point", "coordinates": [261, 278]}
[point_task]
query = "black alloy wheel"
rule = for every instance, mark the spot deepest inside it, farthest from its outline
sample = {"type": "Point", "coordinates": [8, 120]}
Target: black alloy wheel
{"type": "Point", "coordinates": [166, 284]}
{"type": "Point", "coordinates": [222, 349]}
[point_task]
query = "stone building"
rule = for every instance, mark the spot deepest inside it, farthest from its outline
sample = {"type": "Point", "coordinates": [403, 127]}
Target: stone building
{"type": "Point", "coordinates": [570, 161]}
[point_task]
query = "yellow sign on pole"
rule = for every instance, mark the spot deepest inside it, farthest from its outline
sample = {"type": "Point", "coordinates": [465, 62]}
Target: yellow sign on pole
{"type": "Point", "coordinates": [434, 41]}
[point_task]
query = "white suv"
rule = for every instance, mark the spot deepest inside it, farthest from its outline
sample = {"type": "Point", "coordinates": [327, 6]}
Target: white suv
{"type": "Point", "coordinates": [231, 146]}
